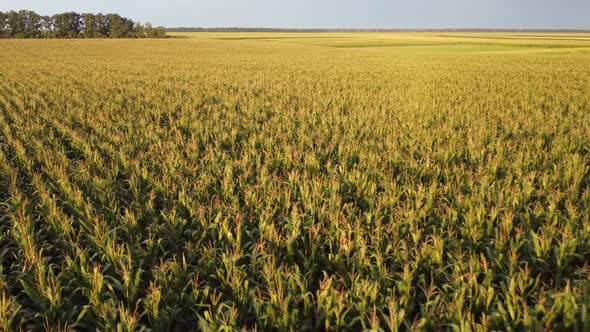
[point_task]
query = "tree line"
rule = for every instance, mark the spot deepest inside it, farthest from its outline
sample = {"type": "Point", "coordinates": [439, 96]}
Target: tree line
{"type": "Point", "coordinates": [28, 24]}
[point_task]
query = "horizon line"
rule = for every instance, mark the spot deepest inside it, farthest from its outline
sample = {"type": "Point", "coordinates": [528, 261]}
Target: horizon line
{"type": "Point", "coordinates": [242, 28]}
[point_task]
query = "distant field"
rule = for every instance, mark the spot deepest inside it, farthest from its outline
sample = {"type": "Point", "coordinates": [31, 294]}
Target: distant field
{"type": "Point", "coordinates": [296, 181]}
{"type": "Point", "coordinates": [441, 41]}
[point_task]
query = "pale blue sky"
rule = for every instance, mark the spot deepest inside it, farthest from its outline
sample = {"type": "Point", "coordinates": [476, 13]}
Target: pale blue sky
{"type": "Point", "coordinates": [548, 14]}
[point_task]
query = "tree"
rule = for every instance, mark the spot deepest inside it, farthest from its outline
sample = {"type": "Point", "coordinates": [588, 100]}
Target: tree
{"type": "Point", "coordinates": [4, 25]}
{"type": "Point", "coordinates": [157, 32]}
{"type": "Point", "coordinates": [103, 25]}
{"type": "Point", "coordinates": [160, 32]}
{"type": "Point", "coordinates": [16, 25]}
{"type": "Point", "coordinates": [67, 25]}
{"type": "Point", "coordinates": [119, 27]}
{"type": "Point", "coordinates": [91, 25]}
{"type": "Point", "coordinates": [30, 24]}
{"type": "Point", "coordinates": [47, 27]}
{"type": "Point", "coordinates": [138, 30]}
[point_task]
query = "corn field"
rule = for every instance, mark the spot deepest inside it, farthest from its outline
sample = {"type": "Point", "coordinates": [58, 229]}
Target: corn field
{"type": "Point", "coordinates": [295, 182]}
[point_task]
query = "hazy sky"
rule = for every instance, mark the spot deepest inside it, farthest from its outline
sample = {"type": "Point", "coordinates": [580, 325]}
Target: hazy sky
{"type": "Point", "coordinates": [550, 14]}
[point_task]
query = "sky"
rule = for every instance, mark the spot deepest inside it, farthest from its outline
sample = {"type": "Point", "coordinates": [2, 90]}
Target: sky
{"type": "Point", "coordinates": [406, 14]}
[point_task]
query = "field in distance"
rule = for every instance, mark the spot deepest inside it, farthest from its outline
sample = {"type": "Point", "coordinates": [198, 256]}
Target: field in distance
{"type": "Point", "coordinates": [296, 181]}
{"type": "Point", "coordinates": [416, 41]}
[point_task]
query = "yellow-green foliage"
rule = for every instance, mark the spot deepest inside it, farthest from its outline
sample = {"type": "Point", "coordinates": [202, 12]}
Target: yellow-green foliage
{"type": "Point", "coordinates": [296, 182]}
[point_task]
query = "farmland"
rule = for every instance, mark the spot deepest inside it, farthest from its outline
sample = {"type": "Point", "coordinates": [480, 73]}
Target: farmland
{"type": "Point", "coordinates": [296, 181]}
